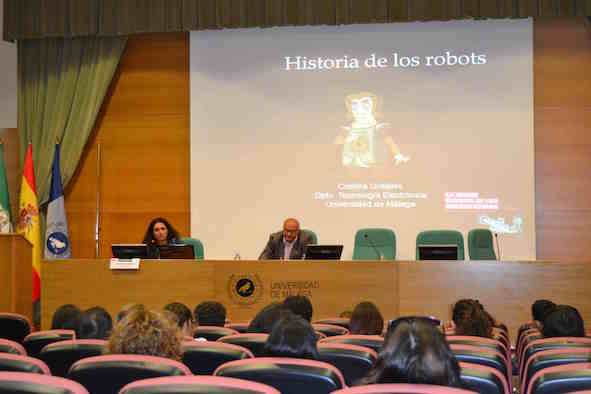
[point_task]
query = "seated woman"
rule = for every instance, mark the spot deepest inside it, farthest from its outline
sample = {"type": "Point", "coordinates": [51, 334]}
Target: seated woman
{"type": "Point", "coordinates": [294, 337]}
{"type": "Point", "coordinates": [159, 233]}
{"type": "Point", "coordinates": [563, 321]}
{"type": "Point", "coordinates": [470, 318]}
{"type": "Point", "coordinates": [366, 320]}
{"type": "Point", "coordinates": [148, 333]}
{"type": "Point", "coordinates": [415, 352]}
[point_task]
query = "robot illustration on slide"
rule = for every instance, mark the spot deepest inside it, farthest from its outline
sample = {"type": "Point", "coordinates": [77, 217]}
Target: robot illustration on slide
{"type": "Point", "coordinates": [361, 140]}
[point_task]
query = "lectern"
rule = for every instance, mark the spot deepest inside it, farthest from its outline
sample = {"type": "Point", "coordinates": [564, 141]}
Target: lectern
{"type": "Point", "coordinates": [16, 275]}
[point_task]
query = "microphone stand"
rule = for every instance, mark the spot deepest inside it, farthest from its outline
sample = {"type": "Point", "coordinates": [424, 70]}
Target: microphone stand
{"type": "Point", "coordinates": [498, 248]}
{"type": "Point", "coordinates": [378, 253]}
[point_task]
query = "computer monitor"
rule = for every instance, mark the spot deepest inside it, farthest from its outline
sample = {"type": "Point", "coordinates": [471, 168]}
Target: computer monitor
{"type": "Point", "coordinates": [177, 251]}
{"type": "Point", "coordinates": [129, 251]}
{"type": "Point", "coordinates": [323, 252]}
{"type": "Point", "coordinates": [438, 252]}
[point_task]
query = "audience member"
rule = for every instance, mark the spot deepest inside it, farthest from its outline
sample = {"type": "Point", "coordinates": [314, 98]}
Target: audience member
{"type": "Point", "coordinates": [67, 317]}
{"type": "Point", "coordinates": [563, 321]}
{"type": "Point", "coordinates": [148, 333]}
{"type": "Point", "coordinates": [470, 318]}
{"type": "Point", "coordinates": [366, 320]}
{"type": "Point", "coordinates": [96, 323]}
{"type": "Point", "coordinates": [415, 352]}
{"type": "Point", "coordinates": [266, 319]}
{"type": "Point", "coordinates": [182, 316]}
{"type": "Point", "coordinates": [127, 308]}
{"type": "Point", "coordinates": [299, 305]}
{"type": "Point", "coordinates": [292, 336]}
{"type": "Point", "coordinates": [540, 309]}
{"type": "Point", "coordinates": [210, 313]}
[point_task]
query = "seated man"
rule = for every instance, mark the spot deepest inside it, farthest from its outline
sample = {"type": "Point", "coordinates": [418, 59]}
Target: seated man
{"type": "Point", "coordinates": [287, 244]}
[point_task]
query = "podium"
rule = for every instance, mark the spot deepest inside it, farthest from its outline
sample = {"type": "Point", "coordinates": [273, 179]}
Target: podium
{"type": "Point", "coordinates": [16, 276]}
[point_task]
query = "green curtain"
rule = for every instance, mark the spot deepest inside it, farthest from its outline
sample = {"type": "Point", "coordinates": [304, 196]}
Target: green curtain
{"type": "Point", "coordinates": [61, 86]}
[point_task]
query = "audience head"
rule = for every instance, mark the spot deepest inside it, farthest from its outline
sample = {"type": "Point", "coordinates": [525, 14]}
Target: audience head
{"type": "Point", "coordinates": [67, 317]}
{"type": "Point", "coordinates": [127, 308]}
{"type": "Point", "coordinates": [415, 352]}
{"type": "Point", "coordinates": [366, 320]}
{"type": "Point", "coordinates": [210, 313]}
{"type": "Point", "coordinates": [148, 333]}
{"type": "Point", "coordinates": [471, 319]}
{"type": "Point", "coordinates": [563, 321]}
{"type": "Point", "coordinates": [541, 308]}
{"type": "Point", "coordinates": [182, 316]}
{"type": "Point", "coordinates": [264, 321]}
{"type": "Point", "coordinates": [299, 305]}
{"type": "Point", "coordinates": [96, 323]}
{"type": "Point", "coordinates": [160, 232]}
{"type": "Point", "coordinates": [292, 336]}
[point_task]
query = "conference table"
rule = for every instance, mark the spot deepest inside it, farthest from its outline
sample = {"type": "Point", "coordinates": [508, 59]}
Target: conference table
{"type": "Point", "coordinates": [398, 288]}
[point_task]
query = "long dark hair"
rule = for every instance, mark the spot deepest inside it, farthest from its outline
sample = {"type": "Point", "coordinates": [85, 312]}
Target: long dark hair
{"type": "Point", "coordinates": [294, 337]}
{"type": "Point", "coordinates": [149, 237]}
{"type": "Point", "coordinates": [415, 352]}
{"type": "Point", "coordinates": [366, 320]}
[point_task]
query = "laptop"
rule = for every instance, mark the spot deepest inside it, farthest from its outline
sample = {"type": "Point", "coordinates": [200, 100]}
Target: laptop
{"type": "Point", "coordinates": [129, 251]}
{"type": "Point", "coordinates": [438, 252]}
{"type": "Point", "coordinates": [177, 251]}
{"type": "Point", "coordinates": [323, 252]}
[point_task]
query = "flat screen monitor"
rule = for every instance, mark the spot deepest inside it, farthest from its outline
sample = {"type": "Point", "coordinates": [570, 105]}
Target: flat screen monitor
{"type": "Point", "coordinates": [438, 252]}
{"type": "Point", "coordinates": [323, 252]}
{"type": "Point", "coordinates": [129, 251]}
{"type": "Point", "coordinates": [180, 251]}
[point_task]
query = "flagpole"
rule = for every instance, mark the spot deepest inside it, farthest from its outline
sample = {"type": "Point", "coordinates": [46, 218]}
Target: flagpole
{"type": "Point", "coordinates": [98, 202]}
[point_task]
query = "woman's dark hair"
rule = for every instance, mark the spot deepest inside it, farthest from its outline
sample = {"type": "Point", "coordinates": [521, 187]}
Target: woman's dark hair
{"type": "Point", "coordinates": [210, 313]}
{"type": "Point", "coordinates": [471, 319]}
{"type": "Point", "coordinates": [415, 352]}
{"type": "Point", "coordinates": [67, 317]}
{"type": "Point", "coordinates": [181, 313]}
{"type": "Point", "coordinates": [149, 236]}
{"type": "Point", "coordinates": [541, 308]}
{"type": "Point", "coordinates": [563, 321]}
{"type": "Point", "coordinates": [300, 305]}
{"type": "Point", "coordinates": [266, 319]}
{"type": "Point", "coordinates": [96, 323]}
{"type": "Point", "coordinates": [366, 320]}
{"type": "Point", "coordinates": [294, 337]}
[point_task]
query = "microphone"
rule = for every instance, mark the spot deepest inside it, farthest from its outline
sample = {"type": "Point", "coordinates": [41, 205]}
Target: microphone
{"type": "Point", "coordinates": [237, 256]}
{"type": "Point", "coordinates": [378, 253]}
{"type": "Point", "coordinates": [154, 249]}
{"type": "Point", "coordinates": [498, 247]}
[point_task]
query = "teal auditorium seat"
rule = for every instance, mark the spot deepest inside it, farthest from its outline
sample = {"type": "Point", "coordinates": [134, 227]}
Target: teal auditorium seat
{"type": "Point", "coordinates": [383, 239]}
{"type": "Point", "coordinates": [480, 245]}
{"type": "Point", "coordinates": [311, 234]}
{"type": "Point", "coordinates": [197, 247]}
{"type": "Point", "coordinates": [441, 237]}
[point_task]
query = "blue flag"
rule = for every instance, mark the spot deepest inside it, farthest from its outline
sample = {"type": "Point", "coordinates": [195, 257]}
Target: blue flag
{"type": "Point", "coordinates": [57, 241]}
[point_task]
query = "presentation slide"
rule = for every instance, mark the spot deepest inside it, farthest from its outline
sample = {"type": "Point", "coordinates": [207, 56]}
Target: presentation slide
{"type": "Point", "coordinates": [406, 126]}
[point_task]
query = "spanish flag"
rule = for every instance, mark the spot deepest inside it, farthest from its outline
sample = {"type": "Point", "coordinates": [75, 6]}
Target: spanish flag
{"type": "Point", "coordinates": [28, 220]}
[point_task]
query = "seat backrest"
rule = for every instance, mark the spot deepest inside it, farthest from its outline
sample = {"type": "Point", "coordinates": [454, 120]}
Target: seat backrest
{"type": "Point", "coordinates": [482, 356]}
{"type": "Point", "coordinates": [373, 342]}
{"type": "Point", "coordinates": [213, 333]}
{"type": "Point", "coordinates": [335, 321]}
{"type": "Point", "coordinates": [204, 357]}
{"type": "Point", "coordinates": [483, 379]}
{"type": "Point", "coordinates": [288, 375]}
{"type": "Point", "coordinates": [561, 379]}
{"type": "Point", "coordinates": [490, 343]}
{"type": "Point", "coordinates": [539, 345]}
{"type": "Point", "coordinates": [242, 328]}
{"type": "Point", "coordinates": [8, 346]}
{"type": "Point", "coordinates": [353, 361]}
{"type": "Point", "coordinates": [441, 237]}
{"type": "Point", "coordinates": [330, 330]}
{"type": "Point", "coordinates": [551, 358]}
{"type": "Point", "coordinates": [60, 356]}
{"type": "Point", "coordinates": [33, 343]}
{"type": "Point", "coordinates": [14, 327]}
{"type": "Point", "coordinates": [17, 363]}
{"type": "Point", "coordinates": [198, 248]}
{"type": "Point", "coordinates": [480, 244]}
{"type": "Point", "coordinates": [374, 244]}
{"type": "Point", "coordinates": [197, 385]}
{"type": "Point", "coordinates": [28, 383]}
{"type": "Point", "coordinates": [108, 374]}
{"type": "Point", "coordinates": [311, 234]}
{"type": "Point", "coordinates": [255, 342]}
{"type": "Point", "coordinates": [402, 388]}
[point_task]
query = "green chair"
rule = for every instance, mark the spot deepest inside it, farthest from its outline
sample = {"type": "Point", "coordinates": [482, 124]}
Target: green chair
{"type": "Point", "coordinates": [311, 234]}
{"type": "Point", "coordinates": [197, 246]}
{"type": "Point", "coordinates": [441, 237]}
{"type": "Point", "coordinates": [480, 245]}
{"type": "Point", "coordinates": [367, 240]}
